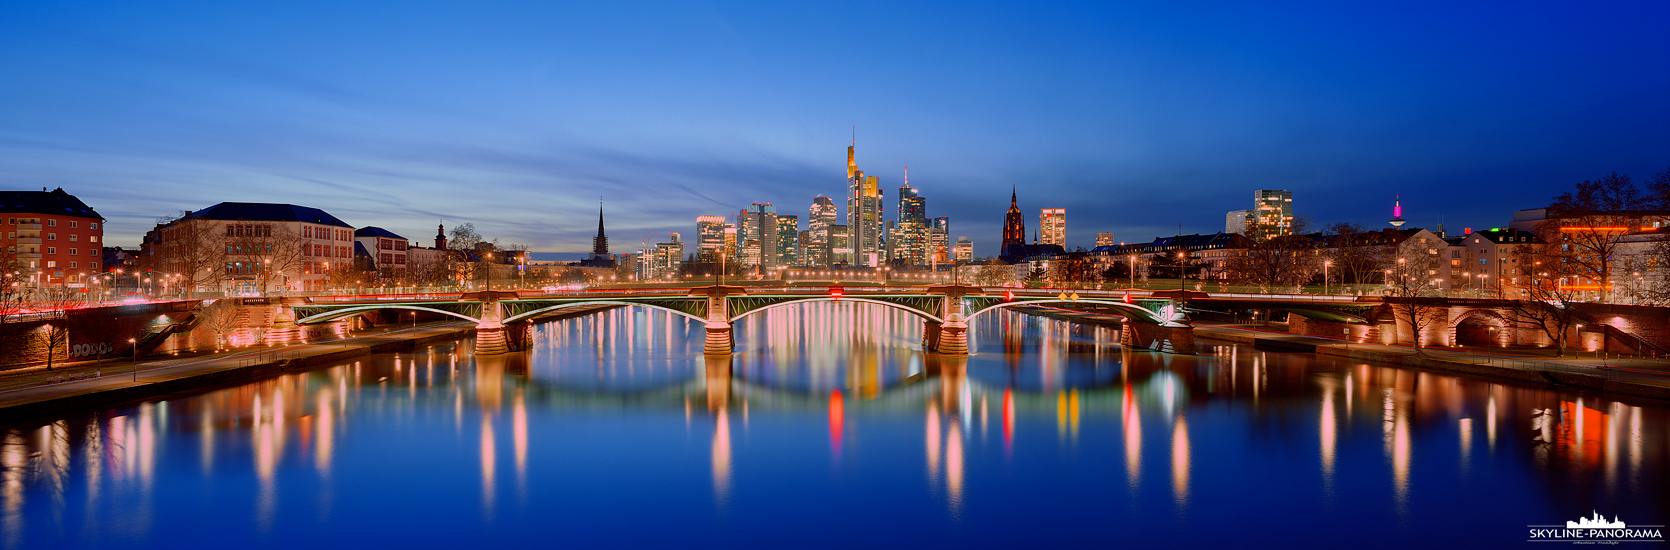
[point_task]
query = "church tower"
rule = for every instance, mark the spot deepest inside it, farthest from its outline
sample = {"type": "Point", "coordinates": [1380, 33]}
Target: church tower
{"type": "Point", "coordinates": [1014, 230]}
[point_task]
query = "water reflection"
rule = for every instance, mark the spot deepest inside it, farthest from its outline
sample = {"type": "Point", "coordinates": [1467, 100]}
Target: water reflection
{"type": "Point", "coordinates": [594, 411]}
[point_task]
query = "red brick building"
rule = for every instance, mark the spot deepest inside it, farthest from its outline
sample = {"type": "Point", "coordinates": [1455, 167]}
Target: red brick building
{"type": "Point", "coordinates": [50, 238]}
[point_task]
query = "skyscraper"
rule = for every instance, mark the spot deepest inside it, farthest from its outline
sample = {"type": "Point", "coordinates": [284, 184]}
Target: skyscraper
{"type": "Point", "coordinates": [864, 213]}
{"type": "Point", "coordinates": [1105, 239]}
{"type": "Point", "coordinates": [1052, 222]}
{"type": "Point", "coordinates": [964, 250]}
{"type": "Point", "coordinates": [939, 241]}
{"type": "Point", "coordinates": [757, 231]}
{"type": "Point", "coordinates": [1236, 221]}
{"type": "Point", "coordinates": [788, 240]}
{"type": "Point", "coordinates": [910, 237]}
{"type": "Point", "coordinates": [819, 218]}
{"type": "Point", "coordinates": [710, 237]}
{"type": "Point", "coordinates": [1272, 214]}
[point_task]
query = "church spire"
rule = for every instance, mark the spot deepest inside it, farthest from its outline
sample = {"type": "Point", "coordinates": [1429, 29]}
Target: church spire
{"type": "Point", "coordinates": [600, 244]}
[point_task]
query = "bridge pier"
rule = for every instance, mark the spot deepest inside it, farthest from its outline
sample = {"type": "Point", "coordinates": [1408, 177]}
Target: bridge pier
{"type": "Point", "coordinates": [1170, 337]}
{"type": "Point", "coordinates": [284, 327]}
{"type": "Point", "coordinates": [490, 337]}
{"type": "Point", "coordinates": [930, 335]}
{"type": "Point", "coordinates": [720, 341]}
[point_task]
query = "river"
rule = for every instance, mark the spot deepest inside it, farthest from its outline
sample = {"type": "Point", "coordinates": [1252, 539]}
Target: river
{"type": "Point", "coordinates": [829, 427]}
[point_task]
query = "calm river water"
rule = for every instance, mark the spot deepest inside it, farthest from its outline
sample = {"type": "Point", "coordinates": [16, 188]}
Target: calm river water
{"type": "Point", "coordinates": [829, 427]}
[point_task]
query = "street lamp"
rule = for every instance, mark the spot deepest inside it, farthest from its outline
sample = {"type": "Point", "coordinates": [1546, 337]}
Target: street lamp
{"type": "Point", "coordinates": [1325, 265]}
{"type": "Point", "coordinates": [135, 343]}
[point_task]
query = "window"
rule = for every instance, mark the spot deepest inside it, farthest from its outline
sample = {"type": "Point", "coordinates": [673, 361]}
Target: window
{"type": "Point", "coordinates": [93, 238]}
{"type": "Point", "coordinates": [52, 236]}
{"type": "Point", "coordinates": [51, 223]}
{"type": "Point", "coordinates": [1484, 261]}
{"type": "Point", "coordinates": [93, 225]}
{"type": "Point", "coordinates": [75, 252]}
{"type": "Point", "coordinates": [72, 224]}
{"type": "Point", "coordinates": [52, 263]}
{"type": "Point", "coordinates": [52, 250]}
{"type": "Point", "coordinates": [73, 237]}
{"type": "Point", "coordinates": [72, 265]}
{"type": "Point", "coordinates": [92, 252]}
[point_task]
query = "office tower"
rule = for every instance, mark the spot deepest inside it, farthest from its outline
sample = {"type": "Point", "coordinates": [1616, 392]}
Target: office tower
{"type": "Point", "coordinates": [864, 213]}
{"type": "Point", "coordinates": [1272, 214]}
{"type": "Point", "coordinates": [939, 241]}
{"type": "Point", "coordinates": [663, 261]}
{"type": "Point", "coordinates": [840, 245]}
{"type": "Point", "coordinates": [1236, 221]}
{"type": "Point", "coordinates": [757, 231]}
{"type": "Point", "coordinates": [710, 237]}
{"type": "Point", "coordinates": [788, 240]}
{"type": "Point", "coordinates": [910, 237]}
{"type": "Point", "coordinates": [964, 250]}
{"type": "Point", "coordinates": [1052, 222]}
{"type": "Point", "coordinates": [819, 218]}
{"type": "Point", "coordinates": [1105, 239]}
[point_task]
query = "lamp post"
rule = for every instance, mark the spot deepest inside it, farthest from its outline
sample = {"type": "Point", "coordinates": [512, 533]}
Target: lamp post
{"type": "Point", "coordinates": [1133, 270]}
{"type": "Point", "coordinates": [1325, 265]}
{"type": "Point", "coordinates": [135, 343]}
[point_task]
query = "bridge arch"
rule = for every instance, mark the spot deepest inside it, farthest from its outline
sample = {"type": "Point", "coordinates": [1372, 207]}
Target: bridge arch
{"type": "Point", "coordinates": [1130, 311]}
{"type": "Point", "coordinates": [917, 312]}
{"type": "Point", "coordinates": [541, 311]}
{"type": "Point", "coordinates": [1480, 327]}
{"type": "Point", "coordinates": [335, 314]}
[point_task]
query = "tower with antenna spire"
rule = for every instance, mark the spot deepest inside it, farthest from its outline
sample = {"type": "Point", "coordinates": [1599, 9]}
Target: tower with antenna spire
{"type": "Point", "coordinates": [1397, 212]}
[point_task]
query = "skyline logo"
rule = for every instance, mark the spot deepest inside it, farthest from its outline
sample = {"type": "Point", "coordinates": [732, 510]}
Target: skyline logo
{"type": "Point", "coordinates": [1596, 530]}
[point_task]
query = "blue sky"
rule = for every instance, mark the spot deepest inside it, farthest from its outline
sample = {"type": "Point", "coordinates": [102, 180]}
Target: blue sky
{"type": "Point", "coordinates": [518, 116]}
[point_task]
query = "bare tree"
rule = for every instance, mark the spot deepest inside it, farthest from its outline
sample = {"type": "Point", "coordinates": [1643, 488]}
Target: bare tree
{"type": "Point", "coordinates": [1282, 261]}
{"type": "Point", "coordinates": [220, 317]}
{"type": "Point", "coordinates": [190, 247]}
{"type": "Point", "coordinates": [13, 303]}
{"type": "Point", "coordinates": [1357, 254]}
{"type": "Point", "coordinates": [1413, 293]}
{"type": "Point", "coordinates": [58, 301]}
{"type": "Point", "coordinates": [1585, 226]}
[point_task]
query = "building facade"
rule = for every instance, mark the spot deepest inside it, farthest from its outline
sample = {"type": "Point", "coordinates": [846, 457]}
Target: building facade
{"type": "Point", "coordinates": [1272, 214]}
{"type": "Point", "coordinates": [240, 248]}
{"type": "Point", "coordinates": [51, 238]}
{"type": "Point", "coordinates": [1052, 226]}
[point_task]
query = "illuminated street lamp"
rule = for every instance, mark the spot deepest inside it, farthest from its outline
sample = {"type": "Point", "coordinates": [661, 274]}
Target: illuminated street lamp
{"type": "Point", "coordinates": [1325, 266]}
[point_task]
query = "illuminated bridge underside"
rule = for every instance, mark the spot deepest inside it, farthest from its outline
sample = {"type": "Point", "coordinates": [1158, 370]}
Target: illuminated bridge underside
{"type": "Point", "coordinates": [694, 308]}
{"type": "Point", "coordinates": [926, 307]}
{"type": "Point", "coordinates": [1350, 314]}
{"type": "Point", "coordinates": [1140, 311]}
{"type": "Point", "coordinates": [310, 315]}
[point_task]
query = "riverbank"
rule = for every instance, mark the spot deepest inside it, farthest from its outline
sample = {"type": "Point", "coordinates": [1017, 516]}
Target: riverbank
{"type": "Point", "coordinates": [159, 376]}
{"type": "Point", "coordinates": [1635, 377]}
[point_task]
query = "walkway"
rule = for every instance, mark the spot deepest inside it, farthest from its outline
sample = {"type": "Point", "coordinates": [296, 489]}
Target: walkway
{"type": "Point", "coordinates": [117, 382]}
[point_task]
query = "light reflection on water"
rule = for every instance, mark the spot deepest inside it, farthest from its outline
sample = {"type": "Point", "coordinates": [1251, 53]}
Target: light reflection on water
{"type": "Point", "coordinates": [615, 419]}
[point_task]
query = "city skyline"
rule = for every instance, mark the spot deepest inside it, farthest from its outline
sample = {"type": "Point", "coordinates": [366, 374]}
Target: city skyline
{"type": "Point", "coordinates": [481, 115]}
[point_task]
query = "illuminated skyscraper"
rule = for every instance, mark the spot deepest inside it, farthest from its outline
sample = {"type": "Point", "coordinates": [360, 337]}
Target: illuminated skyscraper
{"type": "Point", "coordinates": [1052, 222]}
{"type": "Point", "coordinates": [757, 231]}
{"type": "Point", "coordinates": [1236, 221]}
{"type": "Point", "coordinates": [710, 237]}
{"type": "Point", "coordinates": [864, 213]}
{"type": "Point", "coordinates": [1105, 239]}
{"type": "Point", "coordinates": [910, 235]}
{"type": "Point", "coordinates": [964, 250]}
{"type": "Point", "coordinates": [939, 241]}
{"type": "Point", "coordinates": [1272, 214]}
{"type": "Point", "coordinates": [788, 240]}
{"type": "Point", "coordinates": [819, 218]}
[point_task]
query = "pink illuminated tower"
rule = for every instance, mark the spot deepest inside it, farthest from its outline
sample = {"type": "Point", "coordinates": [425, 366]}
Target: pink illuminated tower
{"type": "Point", "coordinates": [1397, 212]}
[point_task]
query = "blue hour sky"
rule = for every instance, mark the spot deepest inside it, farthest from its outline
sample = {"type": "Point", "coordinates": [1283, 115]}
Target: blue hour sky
{"type": "Point", "coordinates": [518, 116]}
